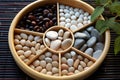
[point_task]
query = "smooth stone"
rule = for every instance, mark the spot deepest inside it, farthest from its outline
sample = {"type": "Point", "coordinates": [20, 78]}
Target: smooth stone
{"type": "Point", "coordinates": [73, 17]}
{"type": "Point", "coordinates": [38, 68]}
{"type": "Point", "coordinates": [90, 63]}
{"type": "Point", "coordinates": [55, 70]}
{"type": "Point", "coordinates": [18, 47]}
{"type": "Point", "coordinates": [62, 18]}
{"type": "Point", "coordinates": [86, 60]}
{"type": "Point", "coordinates": [84, 47]}
{"type": "Point", "coordinates": [43, 63]}
{"type": "Point", "coordinates": [23, 35]}
{"type": "Point", "coordinates": [22, 42]}
{"type": "Point", "coordinates": [89, 29]}
{"type": "Point", "coordinates": [66, 43]}
{"type": "Point", "coordinates": [77, 71]}
{"type": "Point", "coordinates": [27, 53]}
{"type": "Point", "coordinates": [16, 41]}
{"type": "Point", "coordinates": [91, 42]}
{"type": "Point", "coordinates": [74, 22]}
{"type": "Point", "coordinates": [36, 63]}
{"type": "Point", "coordinates": [66, 11]}
{"type": "Point", "coordinates": [78, 43]}
{"type": "Point", "coordinates": [67, 55]}
{"type": "Point", "coordinates": [77, 14]}
{"type": "Point", "coordinates": [97, 54]}
{"type": "Point", "coordinates": [80, 57]}
{"type": "Point", "coordinates": [49, 73]}
{"type": "Point", "coordinates": [37, 38]}
{"type": "Point", "coordinates": [80, 68]}
{"type": "Point", "coordinates": [62, 6]}
{"type": "Point", "coordinates": [52, 35]}
{"type": "Point", "coordinates": [83, 64]}
{"type": "Point", "coordinates": [60, 33]}
{"type": "Point", "coordinates": [55, 57]}
{"type": "Point", "coordinates": [87, 33]}
{"type": "Point", "coordinates": [89, 51]}
{"type": "Point", "coordinates": [48, 60]}
{"type": "Point", "coordinates": [67, 15]}
{"type": "Point", "coordinates": [64, 72]}
{"type": "Point", "coordinates": [73, 53]}
{"type": "Point", "coordinates": [42, 57]}
{"type": "Point", "coordinates": [48, 54]}
{"type": "Point", "coordinates": [55, 44]}
{"type": "Point", "coordinates": [85, 22]}
{"type": "Point", "coordinates": [62, 14]}
{"type": "Point", "coordinates": [47, 41]}
{"type": "Point", "coordinates": [71, 69]}
{"type": "Point", "coordinates": [67, 25]}
{"type": "Point", "coordinates": [70, 62]}
{"type": "Point", "coordinates": [28, 43]}
{"type": "Point", "coordinates": [73, 27]}
{"type": "Point", "coordinates": [76, 63]}
{"type": "Point", "coordinates": [30, 37]}
{"type": "Point", "coordinates": [55, 64]}
{"type": "Point", "coordinates": [66, 35]}
{"type": "Point", "coordinates": [79, 20]}
{"type": "Point", "coordinates": [44, 71]}
{"type": "Point", "coordinates": [60, 38]}
{"type": "Point", "coordinates": [67, 20]}
{"type": "Point", "coordinates": [62, 23]}
{"type": "Point", "coordinates": [64, 66]}
{"type": "Point", "coordinates": [95, 33]}
{"type": "Point", "coordinates": [49, 67]}
{"type": "Point", "coordinates": [79, 25]}
{"type": "Point", "coordinates": [99, 46]}
{"type": "Point", "coordinates": [63, 60]}
{"type": "Point", "coordinates": [80, 35]}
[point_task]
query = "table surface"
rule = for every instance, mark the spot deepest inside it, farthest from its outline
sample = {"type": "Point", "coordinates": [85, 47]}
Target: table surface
{"type": "Point", "coordinates": [109, 69]}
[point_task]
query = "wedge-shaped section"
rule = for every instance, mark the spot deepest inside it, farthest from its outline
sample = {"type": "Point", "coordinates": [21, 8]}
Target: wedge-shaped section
{"type": "Point", "coordinates": [47, 63]}
{"type": "Point", "coordinates": [89, 41]}
{"type": "Point", "coordinates": [40, 18]}
{"type": "Point", "coordinates": [28, 44]}
{"type": "Point", "coordinates": [74, 61]}
{"type": "Point", "coordinates": [73, 18]}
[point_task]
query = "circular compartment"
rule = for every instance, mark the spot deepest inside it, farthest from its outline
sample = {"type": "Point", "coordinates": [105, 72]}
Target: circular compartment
{"type": "Point", "coordinates": [18, 46]}
{"type": "Point", "coordinates": [62, 41]}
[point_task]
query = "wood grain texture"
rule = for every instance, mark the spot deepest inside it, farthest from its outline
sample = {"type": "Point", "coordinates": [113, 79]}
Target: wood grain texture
{"type": "Point", "coordinates": [109, 70]}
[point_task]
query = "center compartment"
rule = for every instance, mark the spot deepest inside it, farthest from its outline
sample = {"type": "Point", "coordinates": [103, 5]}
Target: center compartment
{"type": "Point", "coordinates": [58, 39]}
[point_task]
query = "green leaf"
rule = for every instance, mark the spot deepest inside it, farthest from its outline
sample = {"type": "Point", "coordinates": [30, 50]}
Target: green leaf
{"type": "Point", "coordinates": [114, 25]}
{"type": "Point", "coordinates": [115, 7]}
{"type": "Point", "coordinates": [117, 45]}
{"type": "Point", "coordinates": [97, 12]}
{"type": "Point", "coordinates": [101, 26]}
{"type": "Point", "coordinates": [102, 2]}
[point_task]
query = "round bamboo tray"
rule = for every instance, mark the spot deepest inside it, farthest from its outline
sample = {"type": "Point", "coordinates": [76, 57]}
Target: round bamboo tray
{"type": "Point", "coordinates": [25, 66]}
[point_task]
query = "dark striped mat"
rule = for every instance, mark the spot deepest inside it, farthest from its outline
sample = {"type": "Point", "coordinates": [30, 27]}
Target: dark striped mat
{"type": "Point", "coordinates": [109, 70]}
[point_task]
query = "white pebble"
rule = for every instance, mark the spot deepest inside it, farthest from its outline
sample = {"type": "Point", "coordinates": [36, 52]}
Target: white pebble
{"type": "Point", "coordinates": [61, 10]}
{"type": "Point", "coordinates": [49, 73]}
{"type": "Point", "coordinates": [67, 15]}
{"type": "Point", "coordinates": [67, 7]}
{"type": "Point", "coordinates": [81, 16]}
{"type": "Point", "coordinates": [71, 8]}
{"type": "Point", "coordinates": [48, 60]}
{"type": "Point", "coordinates": [85, 22]}
{"type": "Point", "coordinates": [52, 35]}
{"type": "Point", "coordinates": [60, 33]}
{"type": "Point", "coordinates": [77, 14]}
{"type": "Point", "coordinates": [47, 41]}
{"type": "Point", "coordinates": [70, 62]}
{"type": "Point", "coordinates": [68, 25]}
{"type": "Point", "coordinates": [62, 14]}
{"type": "Point", "coordinates": [37, 38]}
{"type": "Point", "coordinates": [76, 9]}
{"type": "Point", "coordinates": [66, 11]}
{"type": "Point", "coordinates": [27, 53]}
{"type": "Point", "coordinates": [81, 11]}
{"type": "Point", "coordinates": [44, 71]}
{"type": "Point", "coordinates": [71, 69]}
{"type": "Point", "coordinates": [73, 27]}
{"type": "Point", "coordinates": [30, 37]}
{"type": "Point", "coordinates": [85, 18]}
{"type": "Point", "coordinates": [55, 70]}
{"type": "Point", "coordinates": [36, 63]}
{"type": "Point", "coordinates": [73, 17]}
{"type": "Point", "coordinates": [62, 18]}
{"type": "Point", "coordinates": [73, 53]}
{"type": "Point", "coordinates": [67, 20]}
{"type": "Point", "coordinates": [79, 25]}
{"type": "Point", "coordinates": [79, 20]}
{"type": "Point", "coordinates": [49, 67]}
{"type": "Point", "coordinates": [23, 35]}
{"type": "Point", "coordinates": [62, 23]}
{"type": "Point", "coordinates": [86, 14]}
{"type": "Point", "coordinates": [74, 22]}
{"type": "Point", "coordinates": [71, 12]}
{"type": "Point", "coordinates": [48, 54]}
{"type": "Point", "coordinates": [43, 63]}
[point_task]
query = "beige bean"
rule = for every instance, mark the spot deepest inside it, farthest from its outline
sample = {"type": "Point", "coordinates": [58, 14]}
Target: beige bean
{"type": "Point", "coordinates": [76, 63]}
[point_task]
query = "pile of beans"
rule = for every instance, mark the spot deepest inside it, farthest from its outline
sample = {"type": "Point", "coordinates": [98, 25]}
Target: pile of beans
{"type": "Point", "coordinates": [73, 63]}
{"type": "Point", "coordinates": [47, 63]}
{"type": "Point", "coordinates": [27, 46]}
{"type": "Point", "coordinates": [39, 19]}
{"type": "Point", "coordinates": [58, 40]}
{"type": "Point", "coordinates": [73, 18]}
{"type": "Point", "coordinates": [89, 41]}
